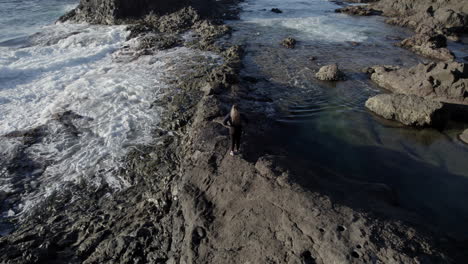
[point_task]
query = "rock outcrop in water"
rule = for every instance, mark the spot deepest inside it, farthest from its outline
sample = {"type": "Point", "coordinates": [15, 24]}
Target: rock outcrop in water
{"type": "Point", "coordinates": [429, 44]}
{"type": "Point", "coordinates": [443, 81]}
{"type": "Point", "coordinates": [289, 43]}
{"type": "Point", "coordinates": [330, 73]}
{"type": "Point", "coordinates": [448, 17]}
{"type": "Point", "coordinates": [122, 11]}
{"type": "Point", "coordinates": [358, 11]}
{"type": "Point", "coordinates": [411, 110]}
{"type": "Point", "coordinates": [429, 19]}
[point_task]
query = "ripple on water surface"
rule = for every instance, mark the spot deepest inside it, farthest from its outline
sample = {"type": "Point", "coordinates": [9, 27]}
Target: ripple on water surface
{"type": "Point", "coordinates": [327, 122]}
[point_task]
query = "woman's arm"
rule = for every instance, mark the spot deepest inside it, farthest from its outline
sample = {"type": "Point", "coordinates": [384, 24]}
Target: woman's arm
{"type": "Point", "coordinates": [227, 119]}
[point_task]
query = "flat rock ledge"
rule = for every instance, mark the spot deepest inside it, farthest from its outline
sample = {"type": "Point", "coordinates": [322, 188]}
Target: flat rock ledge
{"type": "Point", "coordinates": [410, 110]}
{"type": "Point", "coordinates": [443, 81]}
{"type": "Point", "coordinates": [330, 73]}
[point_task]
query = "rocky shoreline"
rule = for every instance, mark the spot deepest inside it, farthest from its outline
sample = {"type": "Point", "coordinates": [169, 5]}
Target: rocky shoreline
{"type": "Point", "coordinates": [190, 202]}
{"type": "Point", "coordinates": [434, 24]}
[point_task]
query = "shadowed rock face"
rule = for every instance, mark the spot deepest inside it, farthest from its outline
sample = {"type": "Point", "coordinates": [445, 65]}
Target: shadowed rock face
{"type": "Point", "coordinates": [115, 11]}
{"type": "Point", "coordinates": [410, 110]}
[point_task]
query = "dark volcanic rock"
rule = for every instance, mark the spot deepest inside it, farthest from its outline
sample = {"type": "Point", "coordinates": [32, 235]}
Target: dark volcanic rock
{"type": "Point", "coordinates": [289, 43]}
{"type": "Point", "coordinates": [329, 73]}
{"type": "Point", "coordinates": [410, 110]}
{"type": "Point", "coordinates": [276, 10]}
{"type": "Point", "coordinates": [119, 11]}
{"type": "Point", "coordinates": [159, 42]}
{"type": "Point", "coordinates": [358, 11]}
{"type": "Point", "coordinates": [441, 81]}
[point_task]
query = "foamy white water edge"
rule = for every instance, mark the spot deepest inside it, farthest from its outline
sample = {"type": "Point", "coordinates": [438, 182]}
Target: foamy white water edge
{"type": "Point", "coordinates": [91, 74]}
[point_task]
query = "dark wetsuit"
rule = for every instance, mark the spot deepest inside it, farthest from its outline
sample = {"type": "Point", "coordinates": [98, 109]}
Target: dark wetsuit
{"type": "Point", "coordinates": [235, 131]}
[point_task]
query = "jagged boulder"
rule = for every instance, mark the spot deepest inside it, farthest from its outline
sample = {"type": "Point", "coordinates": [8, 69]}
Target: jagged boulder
{"type": "Point", "coordinates": [431, 45]}
{"type": "Point", "coordinates": [358, 11]}
{"type": "Point", "coordinates": [443, 81]}
{"type": "Point", "coordinates": [289, 43]}
{"type": "Point", "coordinates": [330, 73]}
{"type": "Point", "coordinates": [411, 110]}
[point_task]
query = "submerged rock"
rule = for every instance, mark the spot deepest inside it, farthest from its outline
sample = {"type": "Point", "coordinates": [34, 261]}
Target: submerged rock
{"type": "Point", "coordinates": [329, 73]}
{"type": "Point", "coordinates": [289, 43]}
{"type": "Point", "coordinates": [443, 81]}
{"type": "Point", "coordinates": [410, 110]}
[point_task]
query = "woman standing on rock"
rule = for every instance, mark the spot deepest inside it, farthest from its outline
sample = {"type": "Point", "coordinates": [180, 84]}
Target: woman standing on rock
{"type": "Point", "coordinates": [234, 121]}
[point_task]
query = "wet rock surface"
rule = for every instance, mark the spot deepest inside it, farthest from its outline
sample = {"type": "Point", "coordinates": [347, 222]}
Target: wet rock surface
{"type": "Point", "coordinates": [447, 82]}
{"type": "Point", "coordinates": [410, 110]}
{"type": "Point", "coordinates": [358, 11]}
{"type": "Point", "coordinates": [330, 73]}
{"type": "Point", "coordinates": [289, 43]}
{"type": "Point", "coordinates": [124, 11]}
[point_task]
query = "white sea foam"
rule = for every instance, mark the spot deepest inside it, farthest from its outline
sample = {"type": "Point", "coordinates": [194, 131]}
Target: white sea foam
{"type": "Point", "coordinates": [82, 69]}
{"type": "Point", "coordinates": [307, 20]}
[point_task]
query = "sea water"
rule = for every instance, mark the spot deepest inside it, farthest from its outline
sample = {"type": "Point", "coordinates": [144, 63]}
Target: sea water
{"type": "Point", "coordinates": [74, 99]}
{"type": "Point", "coordinates": [327, 124]}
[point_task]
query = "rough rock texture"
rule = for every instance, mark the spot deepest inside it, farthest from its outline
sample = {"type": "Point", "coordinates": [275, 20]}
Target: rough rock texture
{"type": "Point", "coordinates": [448, 17]}
{"type": "Point", "coordinates": [447, 82]}
{"type": "Point", "coordinates": [410, 110]}
{"type": "Point", "coordinates": [289, 43]}
{"type": "Point", "coordinates": [431, 45]}
{"type": "Point", "coordinates": [464, 136]}
{"type": "Point", "coordinates": [429, 19]}
{"type": "Point", "coordinates": [329, 73]}
{"type": "Point", "coordinates": [358, 11]}
{"type": "Point", "coordinates": [121, 11]}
